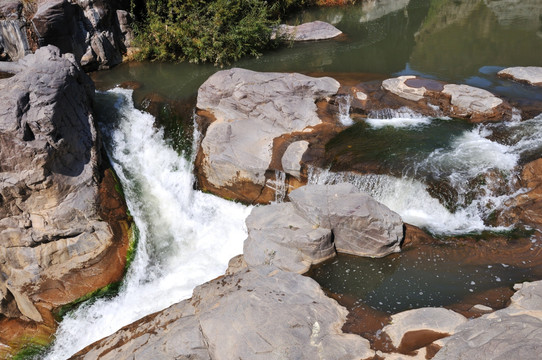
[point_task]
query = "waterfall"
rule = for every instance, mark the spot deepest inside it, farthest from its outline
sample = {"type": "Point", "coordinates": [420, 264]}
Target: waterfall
{"type": "Point", "coordinates": [344, 109]}
{"type": "Point", "coordinates": [186, 236]}
{"type": "Point", "coordinates": [278, 185]}
{"type": "Point", "coordinates": [399, 118]}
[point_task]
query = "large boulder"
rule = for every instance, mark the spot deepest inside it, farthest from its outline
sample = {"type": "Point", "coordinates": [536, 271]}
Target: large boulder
{"type": "Point", "coordinates": [54, 243]}
{"type": "Point", "coordinates": [92, 30]}
{"type": "Point", "coordinates": [531, 75]}
{"type": "Point", "coordinates": [13, 40]}
{"type": "Point", "coordinates": [320, 220]}
{"type": "Point", "coordinates": [257, 313]}
{"type": "Point", "coordinates": [280, 236]}
{"type": "Point", "coordinates": [247, 112]}
{"type": "Point", "coordinates": [361, 225]}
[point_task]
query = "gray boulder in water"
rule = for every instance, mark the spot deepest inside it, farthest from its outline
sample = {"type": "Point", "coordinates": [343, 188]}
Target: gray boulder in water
{"type": "Point", "coordinates": [360, 224]}
{"type": "Point", "coordinates": [320, 220]}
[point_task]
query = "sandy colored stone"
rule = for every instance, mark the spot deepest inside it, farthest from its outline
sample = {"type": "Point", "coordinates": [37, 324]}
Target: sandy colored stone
{"type": "Point", "coordinates": [435, 319]}
{"type": "Point", "coordinates": [315, 30]}
{"type": "Point", "coordinates": [249, 109]}
{"type": "Point", "coordinates": [257, 313]}
{"type": "Point", "coordinates": [527, 74]}
{"type": "Point", "coordinates": [399, 88]}
{"type": "Point", "coordinates": [361, 225]}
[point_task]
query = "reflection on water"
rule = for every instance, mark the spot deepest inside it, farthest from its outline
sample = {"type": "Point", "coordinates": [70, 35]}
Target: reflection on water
{"type": "Point", "coordinates": [446, 39]}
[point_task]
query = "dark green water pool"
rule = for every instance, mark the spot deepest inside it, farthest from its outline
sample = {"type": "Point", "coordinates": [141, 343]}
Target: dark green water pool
{"type": "Point", "coordinates": [451, 40]}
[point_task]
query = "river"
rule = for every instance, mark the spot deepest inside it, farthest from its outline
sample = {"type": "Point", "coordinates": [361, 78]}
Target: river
{"type": "Point", "coordinates": [186, 237]}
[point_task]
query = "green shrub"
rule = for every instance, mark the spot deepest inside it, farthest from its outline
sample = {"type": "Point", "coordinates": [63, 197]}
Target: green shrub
{"type": "Point", "coordinates": [217, 31]}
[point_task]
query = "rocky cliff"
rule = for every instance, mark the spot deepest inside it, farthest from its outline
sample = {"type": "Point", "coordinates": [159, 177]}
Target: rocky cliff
{"type": "Point", "coordinates": [55, 242]}
{"type": "Point", "coordinates": [97, 32]}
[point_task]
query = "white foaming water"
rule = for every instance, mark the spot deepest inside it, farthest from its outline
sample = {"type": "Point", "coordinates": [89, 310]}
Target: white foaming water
{"type": "Point", "coordinates": [471, 154]}
{"type": "Point", "coordinates": [410, 199]}
{"type": "Point", "coordinates": [344, 109]}
{"type": "Point", "coordinates": [400, 118]}
{"type": "Point", "coordinates": [186, 237]}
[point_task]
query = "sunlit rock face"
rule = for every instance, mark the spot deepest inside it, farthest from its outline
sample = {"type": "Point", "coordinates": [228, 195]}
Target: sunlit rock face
{"type": "Point", "coordinates": [52, 233]}
{"type": "Point", "coordinates": [246, 113]}
{"type": "Point", "coordinates": [256, 313]}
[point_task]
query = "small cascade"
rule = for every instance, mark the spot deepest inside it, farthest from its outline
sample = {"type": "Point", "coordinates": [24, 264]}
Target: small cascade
{"type": "Point", "coordinates": [279, 186]}
{"type": "Point", "coordinates": [344, 102]}
{"type": "Point", "coordinates": [399, 118]}
{"type": "Point", "coordinates": [412, 200]}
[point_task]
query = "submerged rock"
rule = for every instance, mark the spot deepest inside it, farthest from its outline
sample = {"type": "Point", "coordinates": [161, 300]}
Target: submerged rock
{"type": "Point", "coordinates": [54, 243]}
{"type": "Point", "coordinates": [315, 30]}
{"type": "Point", "coordinates": [246, 111]}
{"type": "Point", "coordinates": [531, 75]}
{"type": "Point", "coordinates": [257, 313]}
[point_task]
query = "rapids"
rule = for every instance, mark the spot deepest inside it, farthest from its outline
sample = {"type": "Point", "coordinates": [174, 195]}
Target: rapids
{"type": "Point", "coordinates": [186, 237]}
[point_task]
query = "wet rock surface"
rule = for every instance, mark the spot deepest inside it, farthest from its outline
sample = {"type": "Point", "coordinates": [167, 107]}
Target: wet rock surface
{"type": "Point", "coordinates": [257, 313]}
{"type": "Point", "coordinates": [315, 30]}
{"type": "Point", "coordinates": [531, 75]}
{"type": "Point", "coordinates": [54, 243]}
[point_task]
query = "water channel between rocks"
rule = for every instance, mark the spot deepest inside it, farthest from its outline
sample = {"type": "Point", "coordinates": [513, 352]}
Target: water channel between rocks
{"type": "Point", "coordinates": [187, 237]}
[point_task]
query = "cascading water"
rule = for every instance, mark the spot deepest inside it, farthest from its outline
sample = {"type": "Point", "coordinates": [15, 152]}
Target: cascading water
{"type": "Point", "coordinates": [400, 118]}
{"type": "Point", "coordinates": [344, 109]}
{"type": "Point", "coordinates": [186, 237]}
{"type": "Point", "coordinates": [472, 156]}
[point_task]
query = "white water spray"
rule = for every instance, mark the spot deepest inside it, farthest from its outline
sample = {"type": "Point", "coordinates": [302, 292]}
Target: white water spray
{"type": "Point", "coordinates": [344, 109]}
{"type": "Point", "coordinates": [399, 118]}
{"type": "Point", "coordinates": [186, 237]}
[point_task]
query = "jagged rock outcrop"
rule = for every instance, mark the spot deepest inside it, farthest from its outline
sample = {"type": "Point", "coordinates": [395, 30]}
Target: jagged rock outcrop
{"type": "Point", "coordinates": [245, 113]}
{"type": "Point", "coordinates": [95, 31]}
{"type": "Point", "coordinates": [311, 31]}
{"type": "Point", "coordinates": [55, 243]}
{"type": "Point", "coordinates": [256, 313]}
{"type": "Point", "coordinates": [531, 75]}
{"type": "Point", "coordinates": [13, 38]}
{"type": "Point", "coordinates": [510, 333]}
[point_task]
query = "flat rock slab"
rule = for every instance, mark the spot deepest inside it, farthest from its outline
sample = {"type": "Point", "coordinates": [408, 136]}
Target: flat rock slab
{"type": "Point", "coordinates": [435, 98]}
{"type": "Point", "coordinates": [311, 31]}
{"type": "Point", "coordinates": [438, 320]}
{"type": "Point", "coordinates": [249, 110]}
{"type": "Point", "coordinates": [259, 313]}
{"type": "Point", "coordinates": [527, 74]}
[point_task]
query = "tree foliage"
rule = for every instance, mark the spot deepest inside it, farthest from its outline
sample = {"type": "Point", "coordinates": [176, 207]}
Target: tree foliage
{"type": "Point", "coordinates": [216, 31]}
